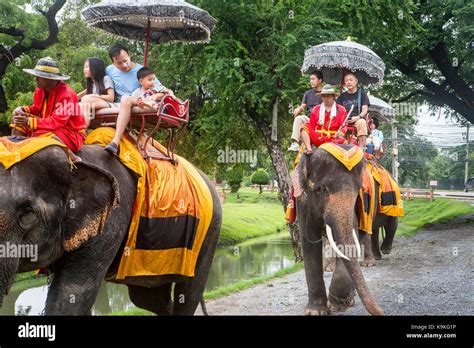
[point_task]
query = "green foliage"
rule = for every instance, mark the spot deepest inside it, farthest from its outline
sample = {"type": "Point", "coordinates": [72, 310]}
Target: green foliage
{"type": "Point", "coordinates": [234, 177]}
{"type": "Point", "coordinates": [403, 33]}
{"type": "Point", "coordinates": [260, 177]}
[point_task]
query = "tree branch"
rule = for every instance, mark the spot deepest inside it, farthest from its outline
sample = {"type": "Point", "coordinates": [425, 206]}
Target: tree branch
{"type": "Point", "coordinates": [50, 15]}
{"type": "Point", "coordinates": [440, 95]}
{"type": "Point", "coordinates": [462, 89]}
{"type": "Point", "coordinates": [13, 31]}
{"type": "Point", "coordinates": [411, 95]}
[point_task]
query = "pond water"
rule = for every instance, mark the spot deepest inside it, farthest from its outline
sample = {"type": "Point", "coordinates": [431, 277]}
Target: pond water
{"type": "Point", "coordinates": [251, 259]}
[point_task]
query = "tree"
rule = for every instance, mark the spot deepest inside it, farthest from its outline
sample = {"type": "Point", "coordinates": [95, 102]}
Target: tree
{"type": "Point", "coordinates": [426, 44]}
{"type": "Point", "coordinates": [260, 177]}
{"type": "Point", "coordinates": [234, 177]}
{"type": "Point", "coordinates": [22, 32]}
{"type": "Point", "coordinates": [249, 75]}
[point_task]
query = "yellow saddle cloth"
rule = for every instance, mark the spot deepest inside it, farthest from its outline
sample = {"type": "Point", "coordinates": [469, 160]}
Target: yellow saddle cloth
{"type": "Point", "coordinates": [390, 198]}
{"type": "Point", "coordinates": [172, 214]}
{"type": "Point", "coordinates": [15, 149]}
{"type": "Point", "coordinates": [348, 155]}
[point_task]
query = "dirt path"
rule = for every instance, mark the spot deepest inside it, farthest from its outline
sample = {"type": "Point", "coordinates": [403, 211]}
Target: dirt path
{"type": "Point", "coordinates": [429, 274]}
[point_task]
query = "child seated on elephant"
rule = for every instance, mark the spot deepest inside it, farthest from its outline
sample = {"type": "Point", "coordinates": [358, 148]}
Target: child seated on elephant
{"type": "Point", "coordinates": [99, 92]}
{"type": "Point", "coordinates": [375, 139]}
{"type": "Point", "coordinates": [148, 94]}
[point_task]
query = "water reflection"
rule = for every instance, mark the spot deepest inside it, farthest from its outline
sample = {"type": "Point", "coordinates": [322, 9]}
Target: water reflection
{"type": "Point", "coordinates": [254, 258]}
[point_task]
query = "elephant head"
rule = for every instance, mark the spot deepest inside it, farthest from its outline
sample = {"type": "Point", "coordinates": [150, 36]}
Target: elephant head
{"type": "Point", "coordinates": [52, 207]}
{"type": "Point", "coordinates": [328, 202]}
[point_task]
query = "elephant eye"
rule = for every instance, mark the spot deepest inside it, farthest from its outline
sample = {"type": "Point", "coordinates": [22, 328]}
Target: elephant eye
{"type": "Point", "coordinates": [27, 218]}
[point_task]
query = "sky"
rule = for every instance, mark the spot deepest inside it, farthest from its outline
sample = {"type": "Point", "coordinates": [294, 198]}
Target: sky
{"type": "Point", "coordinates": [441, 131]}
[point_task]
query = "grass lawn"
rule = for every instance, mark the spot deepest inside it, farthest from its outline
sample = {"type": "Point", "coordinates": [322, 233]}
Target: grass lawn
{"type": "Point", "coordinates": [419, 212]}
{"type": "Point", "coordinates": [248, 214]}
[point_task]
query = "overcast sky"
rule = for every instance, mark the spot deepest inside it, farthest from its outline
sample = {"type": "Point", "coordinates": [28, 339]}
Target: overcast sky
{"type": "Point", "coordinates": [441, 131]}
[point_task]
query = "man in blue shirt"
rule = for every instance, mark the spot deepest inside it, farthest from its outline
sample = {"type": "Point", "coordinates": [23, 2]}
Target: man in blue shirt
{"type": "Point", "coordinates": [124, 74]}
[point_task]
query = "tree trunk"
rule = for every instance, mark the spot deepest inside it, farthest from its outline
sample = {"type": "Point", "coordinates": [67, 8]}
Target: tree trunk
{"type": "Point", "coordinates": [260, 186]}
{"type": "Point", "coordinates": [283, 176]}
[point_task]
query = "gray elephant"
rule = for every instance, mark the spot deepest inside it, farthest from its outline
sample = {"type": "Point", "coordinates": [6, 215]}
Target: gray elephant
{"type": "Point", "coordinates": [327, 206]}
{"type": "Point", "coordinates": [35, 209]}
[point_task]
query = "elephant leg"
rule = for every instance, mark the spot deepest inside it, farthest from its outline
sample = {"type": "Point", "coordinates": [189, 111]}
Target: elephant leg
{"type": "Point", "coordinates": [311, 241]}
{"type": "Point", "coordinates": [74, 289]}
{"type": "Point", "coordinates": [78, 275]}
{"type": "Point", "coordinates": [376, 243]}
{"type": "Point", "coordinates": [156, 300]}
{"type": "Point", "coordinates": [390, 230]}
{"type": "Point", "coordinates": [188, 294]}
{"type": "Point", "coordinates": [329, 261]}
{"type": "Point", "coordinates": [341, 290]}
{"type": "Point", "coordinates": [365, 242]}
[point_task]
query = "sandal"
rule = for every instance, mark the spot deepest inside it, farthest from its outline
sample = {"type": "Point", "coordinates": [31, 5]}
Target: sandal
{"type": "Point", "coordinates": [112, 148]}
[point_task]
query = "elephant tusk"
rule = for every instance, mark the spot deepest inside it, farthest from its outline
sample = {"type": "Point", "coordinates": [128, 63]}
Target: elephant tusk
{"type": "Point", "coordinates": [354, 234]}
{"type": "Point", "coordinates": [333, 244]}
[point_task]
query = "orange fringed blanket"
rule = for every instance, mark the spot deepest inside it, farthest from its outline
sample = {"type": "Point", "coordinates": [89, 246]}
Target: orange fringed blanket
{"type": "Point", "coordinates": [172, 214]}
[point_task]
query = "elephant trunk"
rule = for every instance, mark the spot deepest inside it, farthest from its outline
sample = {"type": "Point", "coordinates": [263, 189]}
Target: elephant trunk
{"type": "Point", "coordinates": [343, 233]}
{"type": "Point", "coordinates": [8, 271]}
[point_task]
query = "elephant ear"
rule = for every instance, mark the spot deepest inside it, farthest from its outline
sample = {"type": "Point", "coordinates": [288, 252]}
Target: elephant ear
{"type": "Point", "coordinates": [304, 171]}
{"type": "Point", "coordinates": [92, 196]}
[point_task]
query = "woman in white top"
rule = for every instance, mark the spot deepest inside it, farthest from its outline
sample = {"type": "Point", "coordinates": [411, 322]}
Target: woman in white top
{"type": "Point", "coordinates": [99, 92]}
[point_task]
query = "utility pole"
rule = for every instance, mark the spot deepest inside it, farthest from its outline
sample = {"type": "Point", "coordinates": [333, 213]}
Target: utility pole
{"type": "Point", "coordinates": [466, 173]}
{"type": "Point", "coordinates": [395, 151]}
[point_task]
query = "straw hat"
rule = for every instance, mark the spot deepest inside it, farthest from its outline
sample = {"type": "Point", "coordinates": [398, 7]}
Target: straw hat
{"type": "Point", "coordinates": [328, 90]}
{"type": "Point", "coordinates": [47, 68]}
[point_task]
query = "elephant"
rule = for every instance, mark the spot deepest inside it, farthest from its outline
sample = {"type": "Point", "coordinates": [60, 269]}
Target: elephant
{"type": "Point", "coordinates": [329, 193]}
{"type": "Point", "coordinates": [372, 247]}
{"type": "Point", "coordinates": [36, 197]}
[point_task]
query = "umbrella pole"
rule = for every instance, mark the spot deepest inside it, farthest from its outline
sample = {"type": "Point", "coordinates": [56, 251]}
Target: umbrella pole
{"type": "Point", "coordinates": [344, 71]}
{"type": "Point", "coordinates": [147, 42]}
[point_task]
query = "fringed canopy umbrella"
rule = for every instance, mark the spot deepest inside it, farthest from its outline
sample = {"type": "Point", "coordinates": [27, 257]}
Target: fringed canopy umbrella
{"type": "Point", "coordinates": [336, 58]}
{"type": "Point", "coordinates": [158, 21]}
{"type": "Point", "coordinates": [380, 109]}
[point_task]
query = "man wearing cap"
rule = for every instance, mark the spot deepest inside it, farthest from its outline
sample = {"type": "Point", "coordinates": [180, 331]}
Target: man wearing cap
{"type": "Point", "coordinates": [326, 123]}
{"type": "Point", "coordinates": [55, 108]}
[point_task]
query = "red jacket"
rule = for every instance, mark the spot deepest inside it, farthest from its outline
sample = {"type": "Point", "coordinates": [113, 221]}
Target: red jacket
{"type": "Point", "coordinates": [324, 133]}
{"type": "Point", "coordinates": [59, 114]}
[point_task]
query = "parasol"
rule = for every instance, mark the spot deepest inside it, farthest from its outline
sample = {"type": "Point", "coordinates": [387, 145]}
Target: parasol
{"type": "Point", "coordinates": [158, 21]}
{"type": "Point", "coordinates": [380, 109]}
{"type": "Point", "coordinates": [336, 58]}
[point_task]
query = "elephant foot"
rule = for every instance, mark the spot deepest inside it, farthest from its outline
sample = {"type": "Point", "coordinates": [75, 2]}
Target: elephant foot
{"type": "Point", "coordinates": [385, 250]}
{"type": "Point", "coordinates": [378, 257]}
{"type": "Point", "coordinates": [338, 305]}
{"type": "Point", "coordinates": [316, 310]}
{"type": "Point", "coordinates": [329, 264]}
{"type": "Point", "coordinates": [368, 262]}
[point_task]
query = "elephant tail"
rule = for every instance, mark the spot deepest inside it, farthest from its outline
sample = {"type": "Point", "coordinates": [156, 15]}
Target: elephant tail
{"type": "Point", "coordinates": [203, 306]}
